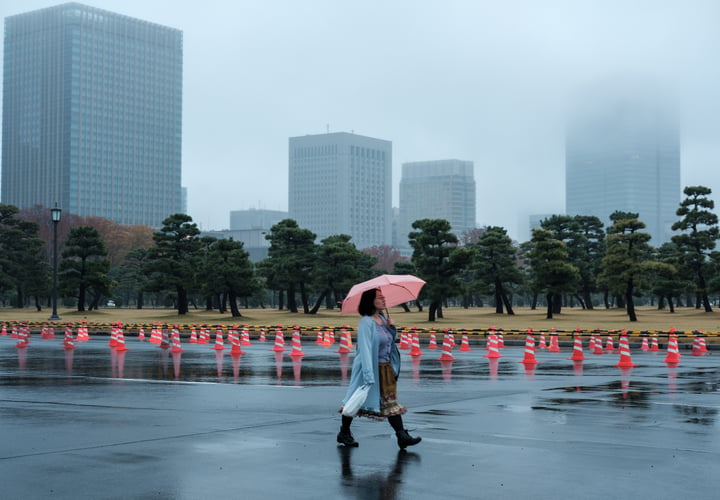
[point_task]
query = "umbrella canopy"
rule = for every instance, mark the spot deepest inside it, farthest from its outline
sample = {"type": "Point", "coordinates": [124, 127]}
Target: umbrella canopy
{"type": "Point", "coordinates": [396, 288]}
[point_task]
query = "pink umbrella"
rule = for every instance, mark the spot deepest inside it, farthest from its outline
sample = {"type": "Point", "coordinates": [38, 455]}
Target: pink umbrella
{"type": "Point", "coordinates": [396, 288]}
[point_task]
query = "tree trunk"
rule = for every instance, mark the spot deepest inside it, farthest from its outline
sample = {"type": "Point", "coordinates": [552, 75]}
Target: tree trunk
{"type": "Point", "coordinates": [705, 300]}
{"type": "Point", "coordinates": [319, 301]}
{"type": "Point", "coordinates": [549, 298]}
{"type": "Point", "coordinates": [182, 300]}
{"type": "Point", "coordinates": [507, 302]}
{"type": "Point", "coordinates": [439, 312]}
{"type": "Point", "coordinates": [587, 299]}
{"type": "Point", "coordinates": [405, 307]}
{"type": "Point", "coordinates": [37, 304]}
{"type": "Point", "coordinates": [281, 299]}
{"type": "Point", "coordinates": [670, 304]}
{"type": "Point", "coordinates": [432, 310]}
{"type": "Point", "coordinates": [498, 298]}
{"type": "Point", "coordinates": [139, 298]}
{"type": "Point", "coordinates": [605, 299]}
{"type": "Point", "coordinates": [291, 304]}
{"type": "Point", "coordinates": [233, 306]}
{"type": "Point", "coordinates": [557, 303]}
{"type": "Point", "coordinates": [20, 298]}
{"type": "Point", "coordinates": [661, 302]}
{"type": "Point", "coordinates": [304, 298]}
{"type": "Point", "coordinates": [629, 302]}
{"type": "Point", "coordinates": [534, 301]}
{"type": "Point", "coordinates": [580, 300]}
{"type": "Point", "coordinates": [81, 299]}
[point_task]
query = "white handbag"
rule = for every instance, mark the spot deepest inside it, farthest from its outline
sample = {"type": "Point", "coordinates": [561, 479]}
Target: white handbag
{"type": "Point", "coordinates": [354, 402]}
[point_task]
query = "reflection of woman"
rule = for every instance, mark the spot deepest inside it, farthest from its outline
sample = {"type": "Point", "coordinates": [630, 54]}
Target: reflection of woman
{"type": "Point", "coordinates": [377, 364]}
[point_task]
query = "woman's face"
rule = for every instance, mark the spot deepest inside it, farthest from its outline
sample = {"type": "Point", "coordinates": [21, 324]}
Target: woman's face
{"type": "Point", "coordinates": [379, 302]}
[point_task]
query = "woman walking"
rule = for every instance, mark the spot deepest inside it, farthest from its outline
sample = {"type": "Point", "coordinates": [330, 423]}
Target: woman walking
{"type": "Point", "coordinates": [377, 365]}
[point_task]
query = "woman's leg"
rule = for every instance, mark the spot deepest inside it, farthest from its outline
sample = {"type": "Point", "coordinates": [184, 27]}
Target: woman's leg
{"type": "Point", "coordinates": [345, 436]}
{"type": "Point", "coordinates": [404, 439]}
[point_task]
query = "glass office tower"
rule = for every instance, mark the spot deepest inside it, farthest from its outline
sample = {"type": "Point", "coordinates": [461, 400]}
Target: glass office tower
{"type": "Point", "coordinates": [441, 189]}
{"type": "Point", "coordinates": [341, 183]}
{"type": "Point", "coordinates": [92, 114]}
{"type": "Point", "coordinates": [624, 154]}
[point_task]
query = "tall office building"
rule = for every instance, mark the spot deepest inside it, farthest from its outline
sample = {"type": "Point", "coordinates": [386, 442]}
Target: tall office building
{"type": "Point", "coordinates": [442, 189]}
{"type": "Point", "coordinates": [92, 114]}
{"type": "Point", "coordinates": [624, 154]}
{"type": "Point", "coordinates": [340, 183]}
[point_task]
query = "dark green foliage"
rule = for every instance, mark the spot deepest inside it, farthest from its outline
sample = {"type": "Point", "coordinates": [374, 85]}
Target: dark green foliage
{"type": "Point", "coordinates": [493, 258]}
{"type": "Point", "coordinates": [551, 270]}
{"type": "Point", "coordinates": [438, 260]}
{"type": "Point", "coordinates": [173, 262]}
{"type": "Point", "coordinates": [698, 234]}
{"type": "Point", "coordinates": [84, 268]}
{"type": "Point", "coordinates": [290, 262]}
{"type": "Point", "coordinates": [627, 264]}
{"type": "Point", "coordinates": [338, 266]}
{"type": "Point", "coordinates": [228, 272]}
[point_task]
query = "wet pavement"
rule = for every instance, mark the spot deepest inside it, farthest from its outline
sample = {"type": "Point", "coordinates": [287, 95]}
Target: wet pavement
{"type": "Point", "coordinates": [95, 423]}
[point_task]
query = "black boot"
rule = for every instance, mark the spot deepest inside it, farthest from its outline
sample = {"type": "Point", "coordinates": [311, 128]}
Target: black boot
{"type": "Point", "coordinates": [345, 437]}
{"type": "Point", "coordinates": [404, 439]}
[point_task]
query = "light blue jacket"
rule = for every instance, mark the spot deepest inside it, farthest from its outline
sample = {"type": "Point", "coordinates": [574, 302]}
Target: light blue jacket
{"type": "Point", "coordinates": [365, 364]}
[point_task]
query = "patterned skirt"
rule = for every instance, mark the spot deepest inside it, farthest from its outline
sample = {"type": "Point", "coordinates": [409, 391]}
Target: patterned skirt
{"type": "Point", "coordinates": [388, 396]}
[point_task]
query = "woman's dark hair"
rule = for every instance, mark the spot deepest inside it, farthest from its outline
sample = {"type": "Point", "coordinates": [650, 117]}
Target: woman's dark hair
{"type": "Point", "coordinates": [366, 307]}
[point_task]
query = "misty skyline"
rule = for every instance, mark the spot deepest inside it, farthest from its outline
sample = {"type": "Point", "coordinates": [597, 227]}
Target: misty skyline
{"type": "Point", "coordinates": [487, 82]}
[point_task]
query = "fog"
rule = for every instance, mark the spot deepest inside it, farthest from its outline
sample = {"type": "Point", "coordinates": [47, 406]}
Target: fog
{"type": "Point", "coordinates": [489, 82]}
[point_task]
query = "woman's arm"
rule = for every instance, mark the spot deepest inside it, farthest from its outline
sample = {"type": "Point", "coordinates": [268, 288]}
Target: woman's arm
{"type": "Point", "coordinates": [366, 331]}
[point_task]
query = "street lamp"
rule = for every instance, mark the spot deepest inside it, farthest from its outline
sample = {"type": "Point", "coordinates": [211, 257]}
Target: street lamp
{"type": "Point", "coordinates": [55, 214]}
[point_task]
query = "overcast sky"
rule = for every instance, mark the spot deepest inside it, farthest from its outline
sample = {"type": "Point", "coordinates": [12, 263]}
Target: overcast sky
{"type": "Point", "coordinates": [485, 81]}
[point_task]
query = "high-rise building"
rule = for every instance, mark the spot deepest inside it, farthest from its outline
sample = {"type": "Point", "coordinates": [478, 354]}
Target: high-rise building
{"type": "Point", "coordinates": [624, 154]}
{"type": "Point", "coordinates": [255, 218]}
{"type": "Point", "coordinates": [340, 183]}
{"type": "Point", "coordinates": [92, 114]}
{"type": "Point", "coordinates": [441, 189]}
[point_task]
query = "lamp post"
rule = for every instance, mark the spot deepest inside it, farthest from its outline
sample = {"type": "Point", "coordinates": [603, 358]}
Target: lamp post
{"type": "Point", "coordinates": [55, 214]}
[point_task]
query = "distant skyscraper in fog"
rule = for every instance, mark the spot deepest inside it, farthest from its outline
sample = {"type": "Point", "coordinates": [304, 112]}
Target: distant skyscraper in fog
{"type": "Point", "coordinates": [624, 154]}
{"type": "Point", "coordinates": [441, 189]}
{"type": "Point", "coordinates": [340, 183]}
{"type": "Point", "coordinates": [92, 114]}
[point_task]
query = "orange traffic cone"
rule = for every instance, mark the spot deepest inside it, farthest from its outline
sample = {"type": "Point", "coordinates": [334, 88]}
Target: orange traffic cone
{"type": "Point", "coordinates": [113, 336]}
{"type": "Point", "coordinates": [235, 348]}
{"type": "Point", "coordinates": [696, 349]}
{"type": "Point", "coordinates": [465, 344]}
{"type": "Point", "coordinates": [280, 341]}
{"type": "Point", "coordinates": [493, 351]}
{"type": "Point", "coordinates": [703, 346]}
{"type": "Point", "coordinates": [404, 341]}
{"type": "Point", "coordinates": [500, 340]}
{"type": "Point", "coordinates": [262, 335]}
{"type": "Point", "coordinates": [654, 347]}
{"type": "Point", "coordinates": [164, 340]}
{"type": "Point", "coordinates": [4, 329]}
{"type": "Point", "coordinates": [529, 358]}
{"type": "Point", "coordinates": [120, 339]}
{"type": "Point", "coordinates": [415, 347]}
{"type": "Point", "coordinates": [219, 344]}
{"type": "Point", "coordinates": [176, 345]}
{"type": "Point", "coordinates": [446, 354]}
{"type": "Point", "coordinates": [609, 345]}
{"type": "Point", "coordinates": [577, 354]}
{"type": "Point", "coordinates": [68, 339]}
{"type": "Point", "coordinates": [296, 344]}
{"type": "Point", "coordinates": [554, 343]}
{"type": "Point", "coordinates": [23, 337]}
{"type": "Point", "coordinates": [541, 344]}
{"type": "Point", "coordinates": [673, 353]}
{"type": "Point", "coordinates": [193, 335]}
{"type": "Point", "coordinates": [598, 349]}
{"type": "Point", "coordinates": [625, 358]}
{"type": "Point", "coordinates": [155, 334]}
{"type": "Point", "coordinates": [345, 342]}
{"type": "Point", "coordinates": [245, 336]}
{"type": "Point", "coordinates": [141, 334]}
{"type": "Point", "coordinates": [644, 346]}
{"type": "Point", "coordinates": [433, 341]}
{"type": "Point", "coordinates": [320, 338]}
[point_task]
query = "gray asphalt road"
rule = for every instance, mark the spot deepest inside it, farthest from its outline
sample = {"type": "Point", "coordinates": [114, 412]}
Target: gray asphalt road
{"type": "Point", "coordinates": [94, 423]}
